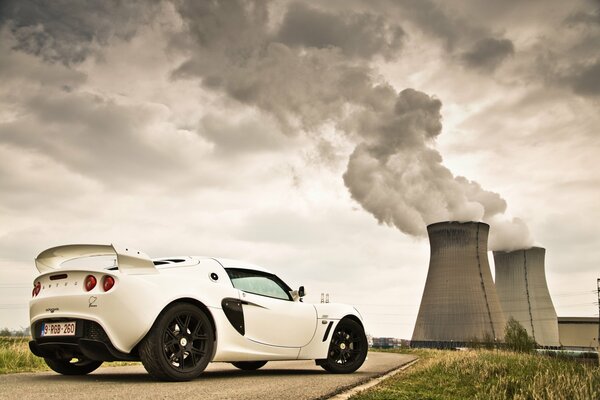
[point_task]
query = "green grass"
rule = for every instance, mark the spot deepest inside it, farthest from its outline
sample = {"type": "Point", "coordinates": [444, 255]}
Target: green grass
{"type": "Point", "coordinates": [16, 357]}
{"type": "Point", "coordinates": [484, 374]}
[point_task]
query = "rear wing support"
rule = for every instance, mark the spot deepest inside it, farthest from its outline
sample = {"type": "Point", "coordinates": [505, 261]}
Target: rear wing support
{"type": "Point", "coordinates": [129, 261]}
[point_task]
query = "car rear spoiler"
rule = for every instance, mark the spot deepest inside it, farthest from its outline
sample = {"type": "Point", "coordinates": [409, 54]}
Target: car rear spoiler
{"type": "Point", "coordinates": [129, 261]}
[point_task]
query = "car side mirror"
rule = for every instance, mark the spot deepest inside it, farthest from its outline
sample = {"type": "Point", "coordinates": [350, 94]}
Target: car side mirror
{"type": "Point", "coordinates": [301, 292]}
{"type": "Point", "coordinates": [297, 295]}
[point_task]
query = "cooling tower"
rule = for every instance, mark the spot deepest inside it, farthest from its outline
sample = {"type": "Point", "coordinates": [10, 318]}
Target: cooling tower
{"type": "Point", "coordinates": [459, 304]}
{"type": "Point", "coordinates": [524, 295]}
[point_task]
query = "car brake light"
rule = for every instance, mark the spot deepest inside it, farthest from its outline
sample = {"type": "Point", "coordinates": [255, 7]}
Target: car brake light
{"type": "Point", "coordinates": [108, 282]}
{"type": "Point", "coordinates": [89, 283]}
{"type": "Point", "coordinates": [36, 289]}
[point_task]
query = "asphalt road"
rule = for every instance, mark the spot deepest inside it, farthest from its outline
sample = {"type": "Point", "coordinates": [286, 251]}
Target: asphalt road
{"type": "Point", "coordinates": [276, 380]}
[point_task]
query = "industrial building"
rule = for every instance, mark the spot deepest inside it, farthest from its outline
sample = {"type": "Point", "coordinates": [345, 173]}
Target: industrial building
{"type": "Point", "coordinates": [523, 293]}
{"type": "Point", "coordinates": [578, 333]}
{"type": "Point", "coordinates": [388, 343]}
{"type": "Point", "coordinates": [460, 304]}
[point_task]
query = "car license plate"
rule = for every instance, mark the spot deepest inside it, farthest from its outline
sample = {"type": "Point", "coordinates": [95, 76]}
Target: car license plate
{"type": "Point", "coordinates": [58, 328]}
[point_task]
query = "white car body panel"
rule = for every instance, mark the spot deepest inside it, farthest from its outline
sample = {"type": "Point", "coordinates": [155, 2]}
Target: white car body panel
{"type": "Point", "coordinates": [295, 321]}
{"type": "Point", "coordinates": [274, 329]}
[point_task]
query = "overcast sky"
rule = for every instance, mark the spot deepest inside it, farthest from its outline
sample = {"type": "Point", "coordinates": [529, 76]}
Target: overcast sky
{"type": "Point", "coordinates": [315, 138]}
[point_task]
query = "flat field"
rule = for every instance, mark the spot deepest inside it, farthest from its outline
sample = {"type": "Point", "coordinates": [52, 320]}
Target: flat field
{"type": "Point", "coordinates": [488, 374]}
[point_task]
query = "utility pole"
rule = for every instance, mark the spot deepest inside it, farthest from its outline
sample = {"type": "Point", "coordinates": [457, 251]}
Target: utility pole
{"type": "Point", "coordinates": [598, 338]}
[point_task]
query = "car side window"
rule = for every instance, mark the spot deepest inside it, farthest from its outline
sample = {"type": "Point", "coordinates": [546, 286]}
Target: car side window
{"type": "Point", "coordinates": [259, 283]}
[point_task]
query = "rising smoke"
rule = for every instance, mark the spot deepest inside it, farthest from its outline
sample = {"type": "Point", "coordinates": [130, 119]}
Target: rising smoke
{"type": "Point", "coordinates": [394, 172]}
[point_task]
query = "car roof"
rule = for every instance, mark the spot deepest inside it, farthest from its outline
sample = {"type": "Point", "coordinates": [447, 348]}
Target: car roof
{"type": "Point", "coordinates": [229, 263]}
{"type": "Point", "coordinates": [182, 261]}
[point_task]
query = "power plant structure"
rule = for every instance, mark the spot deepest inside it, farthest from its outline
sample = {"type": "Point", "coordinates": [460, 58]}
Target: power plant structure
{"type": "Point", "coordinates": [523, 292]}
{"type": "Point", "coordinates": [460, 304]}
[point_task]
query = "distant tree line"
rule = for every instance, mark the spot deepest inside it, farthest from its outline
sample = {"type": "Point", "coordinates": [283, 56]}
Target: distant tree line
{"type": "Point", "coordinates": [15, 332]}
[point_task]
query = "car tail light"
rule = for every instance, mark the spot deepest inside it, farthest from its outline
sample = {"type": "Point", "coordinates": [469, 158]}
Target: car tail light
{"type": "Point", "coordinates": [36, 289]}
{"type": "Point", "coordinates": [89, 283]}
{"type": "Point", "coordinates": [108, 282]}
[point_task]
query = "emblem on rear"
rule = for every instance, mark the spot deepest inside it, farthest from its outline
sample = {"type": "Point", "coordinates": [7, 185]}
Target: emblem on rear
{"type": "Point", "coordinates": [92, 301]}
{"type": "Point", "coordinates": [51, 310]}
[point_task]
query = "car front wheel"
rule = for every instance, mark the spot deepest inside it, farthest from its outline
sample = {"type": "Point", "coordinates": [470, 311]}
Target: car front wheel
{"type": "Point", "coordinates": [179, 345]}
{"type": "Point", "coordinates": [73, 366]}
{"type": "Point", "coordinates": [347, 349]}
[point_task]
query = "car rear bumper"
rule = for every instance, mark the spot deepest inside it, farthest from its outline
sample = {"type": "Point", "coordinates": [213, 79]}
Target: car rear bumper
{"type": "Point", "coordinates": [90, 342]}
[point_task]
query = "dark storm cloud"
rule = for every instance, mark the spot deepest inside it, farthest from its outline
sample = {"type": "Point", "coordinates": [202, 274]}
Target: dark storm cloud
{"type": "Point", "coordinates": [571, 58]}
{"type": "Point", "coordinates": [466, 40]}
{"type": "Point", "coordinates": [430, 18]}
{"type": "Point", "coordinates": [26, 176]}
{"type": "Point", "coordinates": [587, 18]}
{"type": "Point", "coordinates": [439, 21]}
{"type": "Point", "coordinates": [488, 53]}
{"type": "Point", "coordinates": [67, 31]}
{"type": "Point", "coordinates": [243, 137]}
{"type": "Point", "coordinates": [20, 68]}
{"type": "Point", "coordinates": [586, 81]}
{"type": "Point", "coordinates": [233, 51]}
{"type": "Point", "coordinates": [89, 135]}
{"type": "Point", "coordinates": [583, 73]}
{"type": "Point", "coordinates": [356, 34]}
{"type": "Point", "coordinates": [240, 25]}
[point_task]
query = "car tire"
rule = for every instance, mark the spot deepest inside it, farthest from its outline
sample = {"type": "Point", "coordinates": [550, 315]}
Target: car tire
{"type": "Point", "coordinates": [179, 345]}
{"type": "Point", "coordinates": [347, 349]}
{"type": "Point", "coordinates": [249, 365]}
{"type": "Point", "coordinates": [67, 367]}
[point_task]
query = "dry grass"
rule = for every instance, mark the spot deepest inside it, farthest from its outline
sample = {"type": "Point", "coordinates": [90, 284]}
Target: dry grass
{"type": "Point", "coordinates": [487, 375]}
{"type": "Point", "coordinates": [16, 357]}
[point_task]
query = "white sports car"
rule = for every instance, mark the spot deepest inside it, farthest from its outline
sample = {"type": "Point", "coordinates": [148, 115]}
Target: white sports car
{"type": "Point", "coordinates": [178, 314]}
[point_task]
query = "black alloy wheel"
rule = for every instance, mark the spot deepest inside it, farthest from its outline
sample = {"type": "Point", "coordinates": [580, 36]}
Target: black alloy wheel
{"type": "Point", "coordinates": [347, 349]}
{"type": "Point", "coordinates": [179, 345]}
{"type": "Point", "coordinates": [74, 366]}
{"type": "Point", "coordinates": [249, 365]}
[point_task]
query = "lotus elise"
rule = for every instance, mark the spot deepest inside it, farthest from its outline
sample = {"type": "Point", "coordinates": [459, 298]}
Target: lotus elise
{"type": "Point", "coordinates": [177, 314]}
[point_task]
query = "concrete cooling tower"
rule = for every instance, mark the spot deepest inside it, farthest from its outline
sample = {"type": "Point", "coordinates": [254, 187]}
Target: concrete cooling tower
{"type": "Point", "coordinates": [459, 304]}
{"type": "Point", "coordinates": [524, 295]}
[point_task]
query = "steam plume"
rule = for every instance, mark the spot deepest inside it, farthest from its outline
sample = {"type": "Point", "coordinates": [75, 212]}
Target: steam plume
{"type": "Point", "coordinates": [394, 172]}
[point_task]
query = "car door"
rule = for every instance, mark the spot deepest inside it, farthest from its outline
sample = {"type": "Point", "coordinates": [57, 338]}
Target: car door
{"type": "Point", "coordinates": [270, 315]}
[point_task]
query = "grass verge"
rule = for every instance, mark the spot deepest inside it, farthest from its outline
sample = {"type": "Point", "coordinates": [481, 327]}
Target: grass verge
{"type": "Point", "coordinates": [484, 374]}
{"type": "Point", "coordinates": [16, 357]}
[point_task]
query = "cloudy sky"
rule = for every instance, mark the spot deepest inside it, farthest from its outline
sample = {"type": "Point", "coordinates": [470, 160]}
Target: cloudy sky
{"type": "Point", "coordinates": [316, 138]}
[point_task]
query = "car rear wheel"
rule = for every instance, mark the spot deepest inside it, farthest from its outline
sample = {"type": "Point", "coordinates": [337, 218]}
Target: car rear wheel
{"type": "Point", "coordinates": [249, 365]}
{"type": "Point", "coordinates": [73, 366]}
{"type": "Point", "coordinates": [347, 349]}
{"type": "Point", "coordinates": [179, 345]}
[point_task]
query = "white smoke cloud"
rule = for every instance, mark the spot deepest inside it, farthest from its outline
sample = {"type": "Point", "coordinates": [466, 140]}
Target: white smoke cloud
{"type": "Point", "coordinates": [398, 176]}
{"type": "Point", "coordinates": [509, 234]}
{"type": "Point", "coordinates": [394, 172]}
